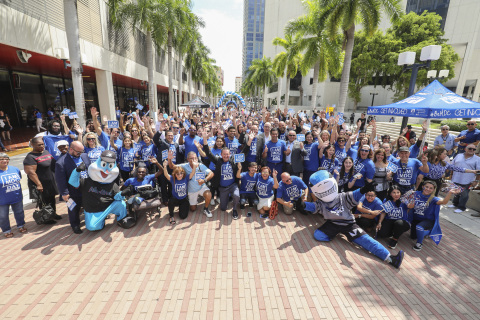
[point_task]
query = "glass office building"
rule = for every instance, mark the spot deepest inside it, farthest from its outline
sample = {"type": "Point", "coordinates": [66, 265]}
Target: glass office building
{"type": "Point", "coordinates": [253, 24]}
{"type": "Point", "coordinates": [440, 7]}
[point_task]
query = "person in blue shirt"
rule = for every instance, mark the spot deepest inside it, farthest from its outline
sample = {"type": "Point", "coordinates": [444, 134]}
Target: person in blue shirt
{"type": "Point", "coordinates": [10, 196]}
{"type": "Point", "coordinates": [344, 176]}
{"type": "Point", "coordinates": [216, 151]}
{"type": "Point", "coordinates": [248, 183]}
{"type": "Point", "coordinates": [364, 167]}
{"type": "Point", "coordinates": [311, 160]}
{"type": "Point", "coordinates": [292, 193]}
{"type": "Point", "coordinates": [92, 145]}
{"type": "Point", "coordinates": [368, 209]}
{"type": "Point", "coordinates": [275, 152]}
{"type": "Point", "coordinates": [408, 169]}
{"type": "Point", "coordinates": [115, 139]}
{"type": "Point", "coordinates": [188, 140]}
{"type": "Point", "coordinates": [179, 181]}
{"type": "Point", "coordinates": [265, 186]}
{"type": "Point", "coordinates": [50, 114]}
{"type": "Point", "coordinates": [251, 156]}
{"type": "Point", "coordinates": [231, 142]}
{"type": "Point", "coordinates": [425, 211]}
{"type": "Point", "coordinates": [328, 160]}
{"type": "Point", "coordinates": [142, 178]}
{"type": "Point", "coordinates": [147, 151]}
{"type": "Point", "coordinates": [39, 119]}
{"type": "Point", "coordinates": [125, 158]}
{"type": "Point", "coordinates": [395, 218]}
{"type": "Point", "coordinates": [471, 135]}
{"type": "Point", "coordinates": [340, 152]}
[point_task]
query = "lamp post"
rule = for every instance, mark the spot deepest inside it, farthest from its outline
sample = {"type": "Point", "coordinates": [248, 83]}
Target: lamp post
{"type": "Point", "coordinates": [407, 60]}
{"type": "Point", "coordinates": [373, 94]}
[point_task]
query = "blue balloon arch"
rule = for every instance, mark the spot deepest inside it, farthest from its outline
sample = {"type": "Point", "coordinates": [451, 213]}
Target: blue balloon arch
{"type": "Point", "coordinates": [232, 94]}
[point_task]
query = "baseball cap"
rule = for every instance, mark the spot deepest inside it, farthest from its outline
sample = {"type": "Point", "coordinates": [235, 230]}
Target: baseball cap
{"type": "Point", "coordinates": [108, 156]}
{"type": "Point", "coordinates": [403, 149]}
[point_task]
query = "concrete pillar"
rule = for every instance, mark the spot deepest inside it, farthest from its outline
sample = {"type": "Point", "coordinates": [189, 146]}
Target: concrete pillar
{"type": "Point", "coordinates": [469, 91]}
{"type": "Point", "coordinates": [106, 98]}
{"type": "Point", "coordinates": [476, 92]}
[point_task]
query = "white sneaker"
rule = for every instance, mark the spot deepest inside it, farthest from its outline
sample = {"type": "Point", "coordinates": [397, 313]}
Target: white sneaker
{"type": "Point", "coordinates": [212, 202]}
{"type": "Point", "coordinates": [458, 210]}
{"type": "Point", "coordinates": [207, 213]}
{"type": "Point", "coordinates": [451, 206]}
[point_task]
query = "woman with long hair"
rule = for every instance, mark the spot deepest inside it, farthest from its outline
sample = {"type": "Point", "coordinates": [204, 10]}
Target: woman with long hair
{"type": "Point", "coordinates": [147, 151]}
{"type": "Point", "coordinates": [92, 145]}
{"type": "Point", "coordinates": [265, 186]}
{"type": "Point", "coordinates": [311, 161]}
{"type": "Point", "coordinates": [381, 177]}
{"type": "Point", "coordinates": [328, 160]}
{"type": "Point", "coordinates": [179, 181]}
{"type": "Point", "coordinates": [216, 151]}
{"type": "Point", "coordinates": [395, 219]}
{"type": "Point", "coordinates": [345, 176]}
{"type": "Point", "coordinates": [364, 167]}
{"type": "Point", "coordinates": [125, 157]}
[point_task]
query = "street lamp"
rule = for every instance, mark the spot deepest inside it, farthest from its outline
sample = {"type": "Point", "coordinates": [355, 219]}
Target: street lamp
{"type": "Point", "coordinates": [432, 74]}
{"type": "Point", "coordinates": [407, 60]}
{"type": "Point", "coordinates": [373, 94]}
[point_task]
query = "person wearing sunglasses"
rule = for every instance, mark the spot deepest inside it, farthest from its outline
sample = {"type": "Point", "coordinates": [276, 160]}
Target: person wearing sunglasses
{"type": "Point", "coordinates": [179, 181]}
{"type": "Point", "coordinates": [471, 135]}
{"type": "Point", "coordinates": [446, 140]}
{"type": "Point", "coordinates": [189, 140]}
{"type": "Point", "coordinates": [467, 160]}
{"type": "Point", "coordinates": [292, 193]}
{"type": "Point", "coordinates": [408, 169]}
{"type": "Point", "coordinates": [364, 168]}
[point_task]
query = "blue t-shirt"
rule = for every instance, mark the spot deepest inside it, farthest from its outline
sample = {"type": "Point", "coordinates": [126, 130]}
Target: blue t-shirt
{"type": "Point", "coordinates": [50, 115]}
{"type": "Point", "coordinates": [190, 146]}
{"type": "Point", "coordinates": [193, 185]}
{"type": "Point", "coordinates": [39, 115]}
{"type": "Point", "coordinates": [125, 158]}
{"type": "Point", "coordinates": [51, 141]}
{"type": "Point", "coordinates": [311, 160]}
{"type": "Point", "coordinates": [233, 145]}
{"type": "Point", "coordinates": [276, 151]}
{"type": "Point", "coordinates": [421, 211]}
{"type": "Point", "coordinates": [329, 164]}
{"type": "Point", "coordinates": [293, 191]}
{"type": "Point", "coordinates": [264, 187]}
{"type": "Point", "coordinates": [94, 153]}
{"type": "Point", "coordinates": [149, 179]}
{"type": "Point", "coordinates": [376, 204]}
{"type": "Point", "coordinates": [340, 153]}
{"type": "Point", "coordinates": [414, 151]}
{"type": "Point", "coordinates": [138, 145]}
{"type": "Point", "coordinates": [252, 153]}
{"type": "Point", "coordinates": [118, 143]}
{"type": "Point", "coordinates": [146, 152]}
{"type": "Point", "coordinates": [118, 113]}
{"type": "Point", "coordinates": [396, 213]}
{"type": "Point", "coordinates": [104, 140]}
{"type": "Point", "coordinates": [406, 175]}
{"type": "Point", "coordinates": [353, 153]}
{"type": "Point", "coordinates": [179, 187]}
{"type": "Point", "coordinates": [226, 175]}
{"type": "Point", "coordinates": [247, 182]}
{"type": "Point", "coordinates": [282, 136]}
{"type": "Point", "coordinates": [471, 137]}
{"type": "Point", "coordinates": [215, 152]}
{"type": "Point", "coordinates": [10, 188]}
{"type": "Point", "coordinates": [366, 168]}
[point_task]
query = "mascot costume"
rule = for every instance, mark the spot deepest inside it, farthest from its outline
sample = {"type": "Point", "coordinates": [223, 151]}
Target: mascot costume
{"type": "Point", "coordinates": [337, 210]}
{"type": "Point", "coordinates": [100, 192]}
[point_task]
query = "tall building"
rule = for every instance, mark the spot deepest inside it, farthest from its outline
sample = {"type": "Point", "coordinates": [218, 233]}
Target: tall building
{"type": "Point", "coordinates": [238, 84]}
{"type": "Point", "coordinates": [219, 72]}
{"type": "Point", "coordinates": [459, 21]}
{"type": "Point", "coordinates": [253, 25]}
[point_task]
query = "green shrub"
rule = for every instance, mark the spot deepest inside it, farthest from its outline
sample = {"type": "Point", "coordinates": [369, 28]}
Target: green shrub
{"type": "Point", "coordinates": [455, 125]}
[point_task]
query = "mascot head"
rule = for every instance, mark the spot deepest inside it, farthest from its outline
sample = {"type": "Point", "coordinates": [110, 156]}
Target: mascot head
{"type": "Point", "coordinates": [324, 186]}
{"type": "Point", "coordinates": [105, 169]}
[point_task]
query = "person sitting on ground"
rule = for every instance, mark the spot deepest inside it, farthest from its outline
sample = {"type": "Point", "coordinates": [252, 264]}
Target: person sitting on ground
{"type": "Point", "coordinates": [142, 179]}
{"type": "Point", "coordinates": [265, 186]}
{"type": "Point", "coordinates": [179, 181]}
{"type": "Point", "coordinates": [368, 209]}
{"type": "Point", "coordinates": [291, 194]}
{"type": "Point", "coordinates": [248, 182]}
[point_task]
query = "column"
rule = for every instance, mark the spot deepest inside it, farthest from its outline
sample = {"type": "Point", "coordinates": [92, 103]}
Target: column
{"type": "Point", "coordinates": [476, 92]}
{"type": "Point", "coordinates": [106, 98]}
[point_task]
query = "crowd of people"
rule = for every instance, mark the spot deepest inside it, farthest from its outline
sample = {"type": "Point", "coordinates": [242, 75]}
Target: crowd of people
{"type": "Point", "coordinates": [250, 159]}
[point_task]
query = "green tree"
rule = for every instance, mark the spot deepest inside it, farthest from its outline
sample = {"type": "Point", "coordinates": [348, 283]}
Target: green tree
{"type": "Point", "coordinates": [320, 52]}
{"type": "Point", "coordinates": [262, 75]}
{"type": "Point", "coordinates": [343, 15]}
{"type": "Point", "coordinates": [287, 62]}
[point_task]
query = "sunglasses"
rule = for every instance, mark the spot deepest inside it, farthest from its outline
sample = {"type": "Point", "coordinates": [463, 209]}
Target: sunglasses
{"type": "Point", "coordinates": [444, 129]}
{"type": "Point", "coordinates": [365, 150]}
{"type": "Point", "coordinates": [470, 149]}
{"type": "Point", "coordinates": [91, 139]}
{"type": "Point", "coordinates": [291, 135]}
{"type": "Point", "coordinates": [470, 124]}
{"type": "Point", "coordinates": [340, 140]}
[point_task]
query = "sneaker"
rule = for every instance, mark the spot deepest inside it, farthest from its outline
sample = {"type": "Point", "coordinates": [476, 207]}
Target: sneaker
{"type": "Point", "coordinates": [207, 213]}
{"type": "Point", "coordinates": [56, 216]}
{"type": "Point", "coordinates": [451, 206]}
{"type": "Point", "coordinates": [264, 216]}
{"type": "Point", "coordinates": [397, 259]}
{"type": "Point", "coordinates": [212, 202]}
{"type": "Point", "coordinates": [392, 244]}
{"type": "Point", "coordinates": [417, 247]}
{"type": "Point", "coordinates": [235, 215]}
{"type": "Point", "coordinates": [458, 210]}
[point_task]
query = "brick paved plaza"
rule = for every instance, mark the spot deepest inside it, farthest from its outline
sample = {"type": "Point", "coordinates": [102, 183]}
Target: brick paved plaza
{"type": "Point", "coordinates": [225, 269]}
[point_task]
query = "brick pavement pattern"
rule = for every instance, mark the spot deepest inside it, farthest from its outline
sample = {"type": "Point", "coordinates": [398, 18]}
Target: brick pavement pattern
{"type": "Point", "coordinates": [220, 268]}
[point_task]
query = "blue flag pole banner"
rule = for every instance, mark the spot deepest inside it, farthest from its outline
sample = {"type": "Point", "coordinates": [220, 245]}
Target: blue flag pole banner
{"type": "Point", "coordinates": [186, 124]}
{"type": "Point", "coordinates": [392, 167]}
{"type": "Point", "coordinates": [301, 137]}
{"type": "Point", "coordinates": [66, 111]}
{"type": "Point", "coordinates": [73, 115]}
{"type": "Point", "coordinates": [388, 206]}
{"type": "Point", "coordinates": [240, 157]}
{"type": "Point", "coordinates": [340, 115]}
{"type": "Point", "coordinates": [341, 121]}
{"type": "Point", "coordinates": [432, 102]}
{"type": "Point", "coordinates": [164, 155]}
{"type": "Point", "coordinates": [199, 176]}
{"type": "Point", "coordinates": [112, 124]}
{"type": "Point", "coordinates": [139, 106]}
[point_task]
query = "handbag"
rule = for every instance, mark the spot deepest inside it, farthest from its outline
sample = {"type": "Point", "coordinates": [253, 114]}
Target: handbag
{"type": "Point", "coordinates": [44, 214]}
{"type": "Point", "coordinates": [273, 210]}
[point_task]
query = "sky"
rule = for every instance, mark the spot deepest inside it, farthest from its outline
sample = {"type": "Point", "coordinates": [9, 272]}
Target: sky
{"type": "Point", "coordinates": [223, 35]}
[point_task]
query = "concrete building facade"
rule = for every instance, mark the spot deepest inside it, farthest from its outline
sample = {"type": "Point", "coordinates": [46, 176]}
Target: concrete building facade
{"type": "Point", "coordinates": [461, 26]}
{"type": "Point", "coordinates": [238, 84]}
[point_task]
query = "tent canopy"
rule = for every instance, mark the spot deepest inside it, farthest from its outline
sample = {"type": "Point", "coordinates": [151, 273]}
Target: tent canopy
{"type": "Point", "coordinates": [196, 103]}
{"type": "Point", "coordinates": [433, 101]}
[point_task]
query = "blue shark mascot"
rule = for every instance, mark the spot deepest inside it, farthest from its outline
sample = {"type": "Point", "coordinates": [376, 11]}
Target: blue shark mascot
{"type": "Point", "coordinates": [337, 210]}
{"type": "Point", "coordinates": [100, 193]}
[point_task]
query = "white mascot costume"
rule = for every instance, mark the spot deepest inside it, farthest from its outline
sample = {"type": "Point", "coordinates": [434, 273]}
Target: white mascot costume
{"type": "Point", "coordinates": [100, 193]}
{"type": "Point", "coordinates": [337, 210]}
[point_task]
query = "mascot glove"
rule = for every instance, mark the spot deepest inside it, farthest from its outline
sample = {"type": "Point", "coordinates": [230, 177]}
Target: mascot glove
{"type": "Point", "coordinates": [118, 196]}
{"type": "Point", "coordinates": [81, 167]}
{"type": "Point", "coordinates": [369, 186]}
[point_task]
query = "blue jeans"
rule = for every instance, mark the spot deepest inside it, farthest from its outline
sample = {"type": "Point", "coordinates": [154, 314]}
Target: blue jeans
{"type": "Point", "coordinates": [460, 200]}
{"type": "Point", "coordinates": [18, 213]}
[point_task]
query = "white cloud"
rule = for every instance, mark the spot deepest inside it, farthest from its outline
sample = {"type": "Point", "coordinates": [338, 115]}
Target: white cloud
{"type": "Point", "coordinates": [223, 35]}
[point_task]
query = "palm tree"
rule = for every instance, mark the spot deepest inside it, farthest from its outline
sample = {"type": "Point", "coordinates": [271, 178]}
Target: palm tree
{"type": "Point", "coordinates": [320, 52]}
{"type": "Point", "coordinates": [343, 15]}
{"type": "Point", "coordinates": [71, 28]}
{"type": "Point", "coordinates": [262, 75]}
{"type": "Point", "coordinates": [287, 62]}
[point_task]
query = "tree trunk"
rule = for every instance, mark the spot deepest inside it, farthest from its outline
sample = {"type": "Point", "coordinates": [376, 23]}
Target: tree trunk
{"type": "Point", "coordinates": [287, 91]}
{"type": "Point", "coordinates": [347, 62]}
{"type": "Point", "coordinates": [279, 92]}
{"type": "Point", "coordinates": [152, 101]}
{"type": "Point", "coordinates": [316, 69]}
{"type": "Point", "coordinates": [73, 39]}
{"type": "Point", "coordinates": [355, 103]}
{"type": "Point", "coordinates": [180, 79]}
{"type": "Point", "coordinates": [171, 98]}
{"type": "Point", "coordinates": [265, 95]}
